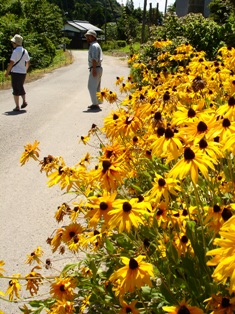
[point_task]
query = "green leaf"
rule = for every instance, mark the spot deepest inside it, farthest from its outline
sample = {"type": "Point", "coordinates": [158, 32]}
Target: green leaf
{"type": "Point", "coordinates": [109, 246]}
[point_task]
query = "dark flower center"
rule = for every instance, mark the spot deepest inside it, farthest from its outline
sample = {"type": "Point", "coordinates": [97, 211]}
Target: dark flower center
{"type": "Point", "coordinates": [161, 131]}
{"type": "Point", "coordinates": [184, 239]}
{"type": "Point", "coordinates": [225, 302]}
{"type": "Point", "coordinates": [188, 154]}
{"type": "Point", "coordinates": [128, 310]}
{"type": "Point", "coordinates": [226, 123]}
{"type": "Point", "coordinates": [226, 214]}
{"type": "Point", "coordinates": [140, 198]}
{"type": "Point", "coordinates": [106, 164]}
{"type": "Point", "coordinates": [75, 239]}
{"type": "Point", "coordinates": [103, 206]}
{"type": "Point", "coordinates": [185, 212]}
{"type": "Point", "coordinates": [135, 139]}
{"type": "Point", "coordinates": [166, 96]}
{"type": "Point", "coordinates": [159, 212]}
{"type": "Point", "coordinates": [183, 310]}
{"type": "Point", "coordinates": [146, 243]}
{"type": "Point", "coordinates": [62, 288]}
{"type": "Point", "coordinates": [133, 264]}
{"type": "Point", "coordinates": [203, 144]}
{"type": "Point", "coordinates": [191, 113]}
{"type": "Point", "coordinates": [231, 101]}
{"type": "Point", "coordinates": [72, 234]}
{"type": "Point", "coordinates": [126, 207]}
{"type": "Point", "coordinates": [109, 153]}
{"type": "Point", "coordinates": [161, 182]}
{"type": "Point", "coordinates": [96, 232]}
{"type": "Point", "coordinates": [216, 208]}
{"type": "Point", "coordinates": [201, 127]}
{"type": "Point", "coordinates": [169, 133]}
{"type": "Point", "coordinates": [60, 170]}
{"type": "Point", "coordinates": [157, 116]}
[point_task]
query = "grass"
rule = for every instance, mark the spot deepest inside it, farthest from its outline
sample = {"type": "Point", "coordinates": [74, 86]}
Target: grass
{"type": "Point", "coordinates": [61, 59]}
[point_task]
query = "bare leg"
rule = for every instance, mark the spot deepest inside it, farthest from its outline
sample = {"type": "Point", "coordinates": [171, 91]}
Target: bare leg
{"type": "Point", "coordinates": [16, 98]}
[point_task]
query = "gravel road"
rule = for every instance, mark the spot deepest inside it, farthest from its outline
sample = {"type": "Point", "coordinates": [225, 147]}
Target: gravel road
{"type": "Point", "coordinates": [57, 118]}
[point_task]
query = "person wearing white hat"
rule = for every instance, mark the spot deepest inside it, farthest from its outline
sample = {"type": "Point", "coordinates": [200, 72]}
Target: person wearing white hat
{"type": "Point", "coordinates": [95, 58]}
{"type": "Point", "coordinates": [18, 66]}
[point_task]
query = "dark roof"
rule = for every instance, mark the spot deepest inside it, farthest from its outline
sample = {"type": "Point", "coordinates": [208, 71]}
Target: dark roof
{"type": "Point", "coordinates": [80, 26]}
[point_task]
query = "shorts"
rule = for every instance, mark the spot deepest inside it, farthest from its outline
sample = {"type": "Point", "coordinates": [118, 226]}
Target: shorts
{"type": "Point", "coordinates": [17, 82]}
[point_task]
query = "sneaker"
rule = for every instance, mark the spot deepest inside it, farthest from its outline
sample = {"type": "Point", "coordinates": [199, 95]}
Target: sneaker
{"type": "Point", "coordinates": [94, 107]}
{"type": "Point", "coordinates": [24, 105]}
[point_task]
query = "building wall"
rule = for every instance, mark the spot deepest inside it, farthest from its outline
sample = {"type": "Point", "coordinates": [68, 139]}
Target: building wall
{"type": "Point", "coordinates": [183, 7]}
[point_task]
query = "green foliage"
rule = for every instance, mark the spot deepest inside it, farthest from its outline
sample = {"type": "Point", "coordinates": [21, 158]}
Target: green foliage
{"type": "Point", "coordinates": [202, 33]}
{"type": "Point", "coordinates": [40, 24]}
{"type": "Point", "coordinates": [220, 10]}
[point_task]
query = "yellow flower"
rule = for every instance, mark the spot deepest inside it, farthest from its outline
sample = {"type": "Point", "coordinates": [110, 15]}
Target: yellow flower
{"type": "Point", "coordinates": [14, 287]}
{"type": "Point", "coordinates": [163, 187]}
{"type": "Point", "coordinates": [33, 281]}
{"type": "Point", "coordinates": [127, 213]}
{"type": "Point", "coordinates": [129, 308]}
{"type": "Point", "coordinates": [62, 307]}
{"type": "Point", "coordinates": [63, 288]}
{"type": "Point", "coordinates": [192, 162]}
{"type": "Point", "coordinates": [220, 304]}
{"type": "Point", "coordinates": [71, 232]}
{"type": "Point", "coordinates": [31, 151]}
{"type": "Point", "coordinates": [1, 269]}
{"type": "Point", "coordinates": [99, 208]}
{"type": "Point", "coordinates": [34, 256]}
{"type": "Point", "coordinates": [183, 307]}
{"type": "Point", "coordinates": [224, 255]}
{"type": "Point", "coordinates": [135, 273]}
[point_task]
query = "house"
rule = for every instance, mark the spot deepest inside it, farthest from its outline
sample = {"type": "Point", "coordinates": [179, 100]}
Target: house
{"type": "Point", "coordinates": [183, 7]}
{"type": "Point", "coordinates": [75, 31]}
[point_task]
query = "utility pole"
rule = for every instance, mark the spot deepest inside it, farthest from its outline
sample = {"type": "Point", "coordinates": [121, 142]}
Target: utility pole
{"type": "Point", "coordinates": [165, 6]}
{"type": "Point", "coordinates": [144, 22]}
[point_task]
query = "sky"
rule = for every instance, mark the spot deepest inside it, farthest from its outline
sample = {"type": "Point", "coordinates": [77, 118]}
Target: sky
{"type": "Point", "coordinates": [161, 4]}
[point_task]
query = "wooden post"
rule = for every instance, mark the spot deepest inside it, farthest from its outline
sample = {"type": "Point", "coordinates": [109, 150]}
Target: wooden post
{"type": "Point", "coordinates": [144, 22]}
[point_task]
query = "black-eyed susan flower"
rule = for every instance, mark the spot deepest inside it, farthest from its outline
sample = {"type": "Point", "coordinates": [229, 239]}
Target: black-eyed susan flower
{"type": "Point", "coordinates": [128, 213]}
{"type": "Point", "coordinates": [34, 279]}
{"type": "Point", "coordinates": [30, 151]}
{"type": "Point", "coordinates": [224, 255]}
{"type": "Point", "coordinates": [62, 307]}
{"type": "Point", "coordinates": [134, 274]}
{"type": "Point", "coordinates": [129, 307]}
{"type": "Point", "coordinates": [99, 208]}
{"type": "Point", "coordinates": [35, 256]}
{"type": "Point", "coordinates": [84, 139]}
{"type": "Point", "coordinates": [2, 263]}
{"type": "Point", "coordinates": [182, 308]}
{"type": "Point", "coordinates": [55, 242]}
{"type": "Point", "coordinates": [63, 288]}
{"type": "Point", "coordinates": [220, 304]}
{"type": "Point", "coordinates": [62, 211]}
{"type": "Point", "coordinates": [71, 231]}
{"type": "Point", "coordinates": [191, 163]}
{"type": "Point", "coordinates": [163, 187]}
{"type": "Point", "coordinates": [14, 287]}
{"type": "Point", "coordinates": [110, 173]}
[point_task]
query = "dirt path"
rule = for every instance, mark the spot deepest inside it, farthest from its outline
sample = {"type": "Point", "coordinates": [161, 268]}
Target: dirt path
{"type": "Point", "coordinates": [56, 117]}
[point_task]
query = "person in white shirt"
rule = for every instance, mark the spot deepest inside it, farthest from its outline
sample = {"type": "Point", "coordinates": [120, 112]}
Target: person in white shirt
{"type": "Point", "coordinates": [17, 68]}
{"type": "Point", "coordinates": [95, 58]}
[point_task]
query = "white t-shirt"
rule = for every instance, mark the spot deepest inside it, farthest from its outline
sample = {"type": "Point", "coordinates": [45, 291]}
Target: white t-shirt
{"type": "Point", "coordinates": [16, 55]}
